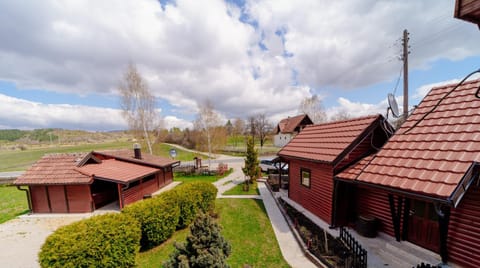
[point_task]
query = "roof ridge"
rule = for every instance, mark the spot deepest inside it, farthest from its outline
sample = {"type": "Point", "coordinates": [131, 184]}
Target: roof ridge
{"type": "Point", "coordinates": [346, 120]}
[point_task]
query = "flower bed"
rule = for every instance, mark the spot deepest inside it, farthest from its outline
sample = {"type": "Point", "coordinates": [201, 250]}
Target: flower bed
{"type": "Point", "coordinates": [329, 250]}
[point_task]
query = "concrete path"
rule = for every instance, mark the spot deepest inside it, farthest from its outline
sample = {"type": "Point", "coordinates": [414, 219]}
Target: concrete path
{"type": "Point", "coordinates": [291, 251]}
{"type": "Point", "coordinates": [289, 247]}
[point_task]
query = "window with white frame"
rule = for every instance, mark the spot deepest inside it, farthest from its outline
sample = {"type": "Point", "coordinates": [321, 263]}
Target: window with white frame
{"type": "Point", "coordinates": [305, 176]}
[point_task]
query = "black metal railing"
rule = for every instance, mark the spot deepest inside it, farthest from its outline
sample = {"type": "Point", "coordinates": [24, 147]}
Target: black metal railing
{"type": "Point", "coordinates": [359, 253]}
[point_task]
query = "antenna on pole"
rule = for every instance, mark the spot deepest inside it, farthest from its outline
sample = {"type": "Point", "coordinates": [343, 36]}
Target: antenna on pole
{"type": "Point", "coordinates": [405, 73]}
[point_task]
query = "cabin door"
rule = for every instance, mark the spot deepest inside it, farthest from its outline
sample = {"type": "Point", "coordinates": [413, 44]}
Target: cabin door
{"type": "Point", "coordinates": [423, 227]}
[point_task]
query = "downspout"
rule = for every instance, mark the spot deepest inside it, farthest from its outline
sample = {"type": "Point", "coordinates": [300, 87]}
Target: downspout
{"type": "Point", "coordinates": [28, 197]}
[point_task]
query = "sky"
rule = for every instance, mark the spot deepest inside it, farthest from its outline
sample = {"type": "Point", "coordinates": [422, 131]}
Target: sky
{"type": "Point", "coordinates": [61, 61]}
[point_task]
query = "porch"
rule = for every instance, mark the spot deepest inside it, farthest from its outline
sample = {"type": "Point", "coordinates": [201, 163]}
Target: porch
{"type": "Point", "coordinates": [383, 250]}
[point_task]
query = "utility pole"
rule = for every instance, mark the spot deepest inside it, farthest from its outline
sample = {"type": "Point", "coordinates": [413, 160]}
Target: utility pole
{"type": "Point", "coordinates": [405, 73]}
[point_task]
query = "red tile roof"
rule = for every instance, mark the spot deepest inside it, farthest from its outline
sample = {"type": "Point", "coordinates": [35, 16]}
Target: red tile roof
{"type": "Point", "coordinates": [288, 125]}
{"type": "Point", "coordinates": [327, 142]}
{"type": "Point", "coordinates": [76, 168]}
{"type": "Point", "coordinates": [433, 157]}
{"type": "Point", "coordinates": [127, 155]}
{"type": "Point", "coordinates": [117, 171]}
{"type": "Point", "coordinates": [54, 169]}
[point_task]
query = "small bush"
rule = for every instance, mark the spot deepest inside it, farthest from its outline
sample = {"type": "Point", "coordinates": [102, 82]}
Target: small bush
{"type": "Point", "coordinates": [158, 219]}
{"type": "Point", "coordinates": [205, 246]}
{"type": "Point", "coordinates": [109, 240]}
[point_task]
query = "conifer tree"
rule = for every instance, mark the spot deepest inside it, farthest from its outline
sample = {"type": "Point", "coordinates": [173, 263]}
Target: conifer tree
{"type": "Point", "coordinates": [205, 246]}
{"type": "Point", "coordinates": [252, 165]}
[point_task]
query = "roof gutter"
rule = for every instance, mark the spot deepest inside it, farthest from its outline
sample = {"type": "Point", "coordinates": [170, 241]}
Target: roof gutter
{"type": "Point", "coordinates": [27, 192]}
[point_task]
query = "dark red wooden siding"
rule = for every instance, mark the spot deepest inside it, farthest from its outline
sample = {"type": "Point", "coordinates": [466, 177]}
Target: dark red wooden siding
{"type": "Point", "coordinates": [137, 193]}
{"type": "Point", "coordinates": [58, 202]}
{"type": "Point", "coordinates": [168, 175]}
{"type": "Point", "coordinates": [375, 202]}
{"type": "Point", "coordinates": [79, 198]}
{"type": "Point", "coordinates": [38, 195]}
{"type": "Point", "coordinates": [464, 230]}
{"type": "Point", "coordinates": [318, 198]}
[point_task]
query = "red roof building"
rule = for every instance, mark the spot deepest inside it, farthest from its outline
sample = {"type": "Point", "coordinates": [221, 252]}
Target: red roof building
{"type": "Point", "coordinates": [320, 152]}
{"type": "Point", "coordinates": [424, 184]}
{"type": "Point", "coordinates": [75, 183]}
{"type": "Point", "coordinates": [287, 128]}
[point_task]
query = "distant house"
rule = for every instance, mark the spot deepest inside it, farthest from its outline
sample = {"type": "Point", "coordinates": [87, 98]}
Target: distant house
{"type": "Point", "coordinates": [320, 152]}
{"type": "Point", "coordinates": [76, 183]}
{"type": "Point", "coordinates": [424, 184]}
{"type": "Point", "coordinates": [289, 127]}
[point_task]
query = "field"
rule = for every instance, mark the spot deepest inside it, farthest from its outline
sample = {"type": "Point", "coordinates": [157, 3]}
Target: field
{"type": "Point", "coordinates": [14, 160]}
{"type": "Point", "coordinates": [245, 225]}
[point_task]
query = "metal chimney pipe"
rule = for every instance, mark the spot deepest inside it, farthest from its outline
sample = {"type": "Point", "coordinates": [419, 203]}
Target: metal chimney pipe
{"type": "Point", "coordinates": [137, 151]}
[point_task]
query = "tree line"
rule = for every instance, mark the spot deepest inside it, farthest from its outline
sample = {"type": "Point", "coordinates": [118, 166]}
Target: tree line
{"type": "Point", "coordinates": [209, 133]}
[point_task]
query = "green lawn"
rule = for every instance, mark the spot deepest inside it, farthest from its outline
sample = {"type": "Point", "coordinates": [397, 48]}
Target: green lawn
{"type": "Point", "coordinates": [195, 178]}
{"type": "Point", "coordinates": [156, 256]}
{"type": "Point", "coordinates": [163, 149]}
{"type": "Point", "coordinates": [245, 225]}
{"type": "Point", "coordinates": [13, 202]}
{"type": "Point", "coordinates": [238, 190]}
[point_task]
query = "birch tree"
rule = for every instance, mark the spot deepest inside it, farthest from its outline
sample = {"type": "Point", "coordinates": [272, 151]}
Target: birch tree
{"type": "Point", "coordinates": [138, 104]}
{"type": "Point", "coordinates": [207, 121]}
{"type": "Point", "coordinates": [313, 108]}
{"type": "Point", "coordinates": [263, 128]}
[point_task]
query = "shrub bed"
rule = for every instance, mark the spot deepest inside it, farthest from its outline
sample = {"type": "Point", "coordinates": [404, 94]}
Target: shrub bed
{"type": "Point", "coordinates": [109, 240]}
{"type": "Point", "coordinates": [158, 218]}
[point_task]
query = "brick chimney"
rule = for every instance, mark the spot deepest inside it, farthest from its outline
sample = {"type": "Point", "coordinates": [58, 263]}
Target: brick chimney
{"type": "Point", "coordinates": [137, 151]}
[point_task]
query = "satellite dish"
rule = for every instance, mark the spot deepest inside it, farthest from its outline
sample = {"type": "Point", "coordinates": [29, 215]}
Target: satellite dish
{"type": "Point", "coordinates": [392, 102]}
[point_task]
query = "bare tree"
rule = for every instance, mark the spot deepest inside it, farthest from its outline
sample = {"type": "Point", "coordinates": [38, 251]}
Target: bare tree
{"type": "Point", "coordinates": [340, 115]}
{"type": "Point", "coordinates": [313, 108]}
{"type": "Point", "coordinates": [138, 104]}
{"type": "Point", "coordinates": [252, 127]}
{"type": "Point", "coordinates": [263, 128]}
{"type": "Point", "coordinates": [207, 120]}
{"type": "Point", "coordinates": [238, 129]}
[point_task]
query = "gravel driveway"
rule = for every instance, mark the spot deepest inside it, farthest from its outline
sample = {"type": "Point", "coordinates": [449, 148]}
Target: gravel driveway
{"type": "Point", "coordinates": [22, 237]}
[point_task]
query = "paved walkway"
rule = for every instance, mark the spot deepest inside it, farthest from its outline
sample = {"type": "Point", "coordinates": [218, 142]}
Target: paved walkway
{"type": "Point", "coordinates": [289, 247]}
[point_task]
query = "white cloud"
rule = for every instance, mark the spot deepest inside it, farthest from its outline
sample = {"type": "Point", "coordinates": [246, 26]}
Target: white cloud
{"type": "Point", "coordinates": [358, 109]}
{"type": "Point", "coordinates": [192, 50]}
{"type": "Point", "coordinates": [172, 121]}
{"type": "Point", "coordinates": [22, 114]}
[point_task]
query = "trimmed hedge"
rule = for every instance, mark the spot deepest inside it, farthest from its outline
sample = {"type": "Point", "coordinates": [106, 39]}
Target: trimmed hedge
{"type": "Point", "coordinates": [158, 219]}
{"type": "Point", "coordinates": [108, 240]}
{"type": "Point", "coordinates": [190, 198]}
{"type": "Point", "coordinates": [204, 194]}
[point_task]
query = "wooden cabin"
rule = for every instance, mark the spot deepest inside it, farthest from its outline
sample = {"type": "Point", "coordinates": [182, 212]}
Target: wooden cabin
{"type": "Point", "coordinates": [423, 185]}
{"type": "Point", "coordinates": [320, 152]}
{"type": "Point", "coordinates": [77, 183]}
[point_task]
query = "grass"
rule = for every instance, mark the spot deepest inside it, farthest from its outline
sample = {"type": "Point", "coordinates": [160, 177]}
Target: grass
{"type": "Point", "coordinates": [245, 225]}
{"type": "Point", "coordinates": [156, 256]}
{"type": "Point", "coordinates": [238, 190]}
{"type": "Point", "coordinates": [195, 178]}
{"type": "Point", "coordinates": [163, 149]}
{"type": "Point", "coordinates": [21, 160]}
{"type": "Point", "coordinates": [13, 202]}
